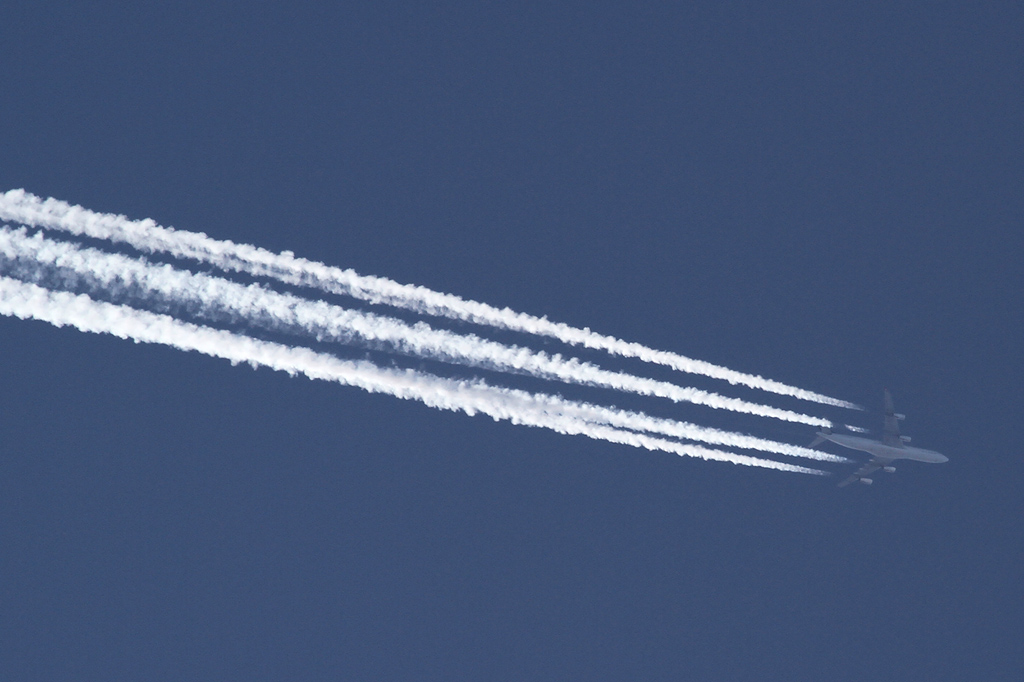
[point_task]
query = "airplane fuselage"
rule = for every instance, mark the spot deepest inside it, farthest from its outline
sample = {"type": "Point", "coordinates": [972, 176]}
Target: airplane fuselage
{"type": "Point", "coordinates": [886, 452]}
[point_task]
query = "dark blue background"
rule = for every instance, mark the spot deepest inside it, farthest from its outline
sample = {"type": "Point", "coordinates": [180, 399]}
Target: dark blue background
{"type": "Point", "coordinates": [829, 197]}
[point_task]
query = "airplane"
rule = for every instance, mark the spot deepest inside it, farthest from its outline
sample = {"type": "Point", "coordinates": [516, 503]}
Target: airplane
{"type": "Point", "coordinates": [893, 446]}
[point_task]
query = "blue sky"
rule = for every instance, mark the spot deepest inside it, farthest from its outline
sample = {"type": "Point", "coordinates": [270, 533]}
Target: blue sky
{"type": "Point", "coordinates": [830, 197]}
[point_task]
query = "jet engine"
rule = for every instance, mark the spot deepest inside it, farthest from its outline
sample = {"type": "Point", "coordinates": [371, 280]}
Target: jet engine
{"type": "Point", "coordinates": [889, 470]}
{"type": "Point", "coordinates": [899, 416]}
{"type": "Point", "coordinates": [905, 439]}
{"type": "Point", "coordinates": [866, 481]}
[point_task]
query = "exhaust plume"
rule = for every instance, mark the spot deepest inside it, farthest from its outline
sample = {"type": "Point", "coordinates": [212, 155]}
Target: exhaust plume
{"type": "Point", "coordinates": [255, 306]}
{"type": "Point", "coordinates": [212, 297]}
{"type": "Point", "coordinates": [28, 301]}
{"type": "Point", "coordinates": [148, 237]}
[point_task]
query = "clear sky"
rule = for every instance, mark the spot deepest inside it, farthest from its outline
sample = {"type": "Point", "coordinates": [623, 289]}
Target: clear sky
{"type": "Point", "coordinates": [830, 197]}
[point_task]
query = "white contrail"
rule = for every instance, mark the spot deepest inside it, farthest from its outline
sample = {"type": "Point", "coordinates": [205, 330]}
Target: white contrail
{"type": "Point", "coordinates": [251, 304]}
{"type": "Point", "coordinates": [145, 235]}
{"type": "Point", "coordinates": [326, 322]}
{"type": "Point", "coordinates": [28, 301]}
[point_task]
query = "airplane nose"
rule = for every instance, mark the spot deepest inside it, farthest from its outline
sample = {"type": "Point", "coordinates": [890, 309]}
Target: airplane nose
{"type": "Point", "coordinates": [942, 459]}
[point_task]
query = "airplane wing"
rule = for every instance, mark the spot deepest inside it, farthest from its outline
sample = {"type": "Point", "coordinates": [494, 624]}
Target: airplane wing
{"type": "Point", "coordinates": [870, 467]}
{"type": "Point", "coordinates": [891, 426]}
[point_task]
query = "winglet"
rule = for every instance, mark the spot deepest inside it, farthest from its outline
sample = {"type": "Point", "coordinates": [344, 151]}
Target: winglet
{"type": "Point", "coordinates": [889, 409]}
{"type": "Point", "coordinates": [822, 437]}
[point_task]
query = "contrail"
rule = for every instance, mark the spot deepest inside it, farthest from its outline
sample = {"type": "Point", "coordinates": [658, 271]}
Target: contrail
{"type": "Point", "coordinates": [253, 304]}
{"type": "Point", "coordinates": [28, 301]}
{"type": "Point", "coordinates": [145, 235]}
{"type": "Point", "coordinates": [213, 296]}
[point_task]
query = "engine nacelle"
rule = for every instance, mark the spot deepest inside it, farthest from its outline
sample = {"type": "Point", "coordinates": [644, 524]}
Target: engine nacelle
{"type": "Point", "coordinates": [889, 470]}
{"type": "Point", "coordinates": [905, 439]}
{"type": "Point", "coordinates": [866, 481]}
{"type": "Point", "coordinates": [899, 416]}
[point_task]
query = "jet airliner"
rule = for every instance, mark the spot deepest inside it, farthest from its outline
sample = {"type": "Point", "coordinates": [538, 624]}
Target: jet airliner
{"type": "Point", "coordinates": [893, 446]}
